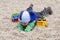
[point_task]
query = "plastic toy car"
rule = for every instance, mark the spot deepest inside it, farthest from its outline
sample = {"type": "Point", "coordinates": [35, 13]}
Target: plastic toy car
{"type": "Point", "coordinates": [15, 17]}
{"type": "Point", "coordinates": [41, 23]}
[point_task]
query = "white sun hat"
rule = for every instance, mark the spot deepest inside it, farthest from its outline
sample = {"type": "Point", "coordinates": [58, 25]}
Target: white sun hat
{"type": "Point", "coordinates": [25, 17]}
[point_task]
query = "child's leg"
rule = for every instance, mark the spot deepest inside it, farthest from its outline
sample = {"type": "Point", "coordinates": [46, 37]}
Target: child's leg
{"type": "Point", "coordinates": [30, 26]}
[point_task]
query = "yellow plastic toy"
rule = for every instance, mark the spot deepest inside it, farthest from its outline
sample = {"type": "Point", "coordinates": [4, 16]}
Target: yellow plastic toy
{"type": "Point", "coordinates": [14, 12]}
{"type": "Point", "coordinates": [41, 23]}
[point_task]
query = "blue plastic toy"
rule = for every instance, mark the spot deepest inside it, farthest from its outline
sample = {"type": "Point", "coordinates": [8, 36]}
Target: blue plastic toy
{"type": "Point", "coordinates": [15, 17]}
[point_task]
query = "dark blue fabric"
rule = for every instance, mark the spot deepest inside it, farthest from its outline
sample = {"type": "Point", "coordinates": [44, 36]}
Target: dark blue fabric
{"type": "Point", "coordinates": [21, 15]}
{"type": "Point", "coordinates": [32, 16]}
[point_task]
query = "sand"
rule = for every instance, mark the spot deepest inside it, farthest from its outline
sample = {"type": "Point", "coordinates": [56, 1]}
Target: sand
{"type": "Point", "coordinates": [8, 29]}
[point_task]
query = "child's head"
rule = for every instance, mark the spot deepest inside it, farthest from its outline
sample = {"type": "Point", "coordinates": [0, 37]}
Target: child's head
{"type": "Point", "coordinates": [25, 18]}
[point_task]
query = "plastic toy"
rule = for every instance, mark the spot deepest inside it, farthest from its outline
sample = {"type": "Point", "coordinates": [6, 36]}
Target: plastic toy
{"type": "Point", "coordinates": [41, 22]}
{"type": "Point", "coordinates": [15, 17]}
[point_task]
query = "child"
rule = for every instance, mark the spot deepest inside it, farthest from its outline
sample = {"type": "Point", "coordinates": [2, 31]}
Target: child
{"type": "Point", "coordinates": [27, 20]}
